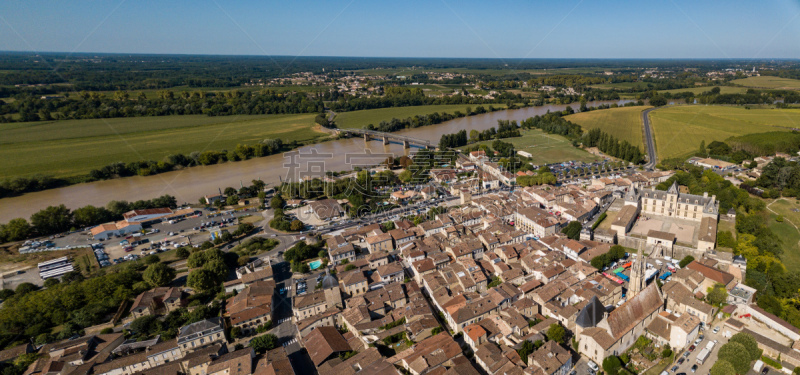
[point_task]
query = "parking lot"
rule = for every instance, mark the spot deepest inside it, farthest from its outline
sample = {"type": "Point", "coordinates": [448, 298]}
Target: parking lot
{"type": "Point", "coordinates": [685, 365]}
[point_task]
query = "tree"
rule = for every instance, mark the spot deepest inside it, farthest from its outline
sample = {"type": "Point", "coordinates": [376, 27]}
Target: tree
{"type": "Point", "coordinates": [557, 333]}
{"type": "Point", "coordinates": [749, 344]}
{"type": "Point", "coordinates": [722, 367]}
{"type": "Point", "coordinates": [666, 352]}
{"type": "Point", "coordinates": [236, 332]}
{"type": "Point", "coordinates": [218, 268]}
{"type": "Point", "coordinates": [182, 253]}
{"type": "Point", "coordinates": [232, 200]}
{"type": "Point", "coordinates": [276, 202]}
{"type": "Point", "coordinates": [91, 215]}
{"type": "Point", "coordinates": [16, 230]}
{"type": "Point", "coordinates": [51, 282]}
{"type": "Point", "coordinates": [262, 344]}
{"type": "Point", "coordinates": [296, 225]}
{"type": "Point", "coordinates": [732, 353]}
{"type": "Point", "coordinates": [158, 274]}
{"type": "Point", "coordinates": [612, 365]}
{"type": "Point", "coordinates": [717, 295]}
{"type": "Point", "coordinates": [53, 219]}
{"type": "Point", "coordinates": [573, 230]}
{"type": "Point", "coordinates": [686, 260]}
{"type": "Point", "coordinates": [525, 350]}
{"type": "Point", "coordinates": [203, 280]}
{"type": "Point", "coordinates": [196, 260]}
{"type": "Point", "coordinates": [152, 259]}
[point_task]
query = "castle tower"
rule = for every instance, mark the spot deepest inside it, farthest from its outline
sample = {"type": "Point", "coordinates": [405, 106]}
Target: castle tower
{"type": "Point", "coordinates": [638, 269]}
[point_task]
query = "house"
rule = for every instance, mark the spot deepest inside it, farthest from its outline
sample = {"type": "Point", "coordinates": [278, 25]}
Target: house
{"type": "Point", "coordinates": [550, 359]}
{"type": "Point", "coordinates": [392, 272]}
{"type": "Point", "coordinates": [354, 282]}
{"type": "Point", "coordinates": [444, 175]}
{"type": "Point", "coordinates": [308, 305]}
{"type": "Point", "coordinates": [252, 307]}
{"type": "Point", "coordinates": [158, 300]}
{"type": "Point", "coordinates": [380, 242]}
{"type": "Point", "coordinates": [432, 353]}
{"type": "Point", "coordinates": [105, 231]}
{"type": "Point", "coordinates": [678, 332]}
{"type": "Point", "coordinates": [325, 343]}
{"type": "Point", "coordinates": [326, 209]}
{"type": "Point", "coordinates": [214, 198]}
{"type": "Point", "coordinates": [201, 334]}
{"type": "Point", "coordinates": [239, 362]}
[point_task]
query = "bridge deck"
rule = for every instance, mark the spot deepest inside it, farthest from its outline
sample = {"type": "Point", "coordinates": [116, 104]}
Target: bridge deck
{"type": "Point", "coordinates": [387, 135]}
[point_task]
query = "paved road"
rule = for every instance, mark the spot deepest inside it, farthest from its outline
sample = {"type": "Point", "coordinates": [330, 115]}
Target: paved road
{"type": "Point", "coordinates": [650, 142]}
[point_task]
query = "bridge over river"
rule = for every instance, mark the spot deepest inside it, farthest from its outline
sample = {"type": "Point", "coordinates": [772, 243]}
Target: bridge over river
{"type": "Point", "coordinates": [388, 137]}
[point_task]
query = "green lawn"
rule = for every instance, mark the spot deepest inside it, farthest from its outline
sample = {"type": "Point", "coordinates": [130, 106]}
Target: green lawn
{"type": "Point", "coordinates": [360, 119]}
{"type": "Point", "coordinates": [625, 123]}
{"type": "Point", "coordinates": [73, 147]}
{"type": "Point", "coordinates": [786, 231]}
{"type": "Point", "coordinates": [547, 148]}
{"type": "Point", "coordinates": [680, 129]}
{"type": "Point", "coordinates": [769, 82]}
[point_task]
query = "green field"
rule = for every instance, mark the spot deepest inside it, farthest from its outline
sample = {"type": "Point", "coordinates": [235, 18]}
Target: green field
{"type": "Point", "coordinates": [73, 147]}
{"type": "Point", "coordinates": [787, 231]}
{"type": "Point", "coordinates": [701, 89]}
{"type": "Point", "coordinates": [625, 123]}
{"type": "Point", "coordinates": [547, 148]}
{"type": "Point", "coordinates": [360, 119]}
{"type": "Point", "coordinates": [768, 82]}
{"type": "Point", "coordinates": [622, 86]}
{"type": "Point", "coordinates": [409, 71]}
{"type": "Point", "coordinates": [680, 129]}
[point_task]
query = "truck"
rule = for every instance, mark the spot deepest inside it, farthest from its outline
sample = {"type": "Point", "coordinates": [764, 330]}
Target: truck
{"type": "Point", "coordinates": [710, 345]}
{"type": "Point", "coordinates": [703, 355]}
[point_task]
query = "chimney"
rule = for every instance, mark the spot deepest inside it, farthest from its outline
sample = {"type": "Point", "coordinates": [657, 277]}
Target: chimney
{"type": "Point", "coordinates": [705, 194]}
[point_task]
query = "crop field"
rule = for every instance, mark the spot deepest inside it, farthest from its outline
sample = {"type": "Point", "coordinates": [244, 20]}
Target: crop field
{"type": "Point", "coordinates": [680, 129]}
{"type": "Point", "coordinates": [625, 123]}
{"type": "Point", "coordinates": [67, 148]}
{"type": "Point", "coordinates": [547, 148]}
{"type": "Point", "coordinates": [768, 82]}
{"type": "Point", "coordinates": [360, 119]}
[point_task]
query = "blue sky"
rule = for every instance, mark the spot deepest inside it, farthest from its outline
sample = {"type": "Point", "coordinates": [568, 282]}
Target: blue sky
{"type": "Point", "coordinates": [434, 28]}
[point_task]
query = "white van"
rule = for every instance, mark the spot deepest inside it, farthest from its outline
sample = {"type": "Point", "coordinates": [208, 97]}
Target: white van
{"type": "Point", "coordinates": [593, 366]}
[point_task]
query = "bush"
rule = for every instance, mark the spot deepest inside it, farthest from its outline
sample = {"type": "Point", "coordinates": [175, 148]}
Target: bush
{"type": "Point", "coordinates": [722, 367]}
{"type": "Point", "coordinates": [685, 261]}
{"type": "Point", "coordinates": [611, 365]}
{"type": "Point", "coordinates": [749, 344]}
{"type": "Point", "coordinates": [182, 253]}
{"type": "Point", "coordinates": [732, 353]}
{"type": "Point", "coordinates": [262, 344]}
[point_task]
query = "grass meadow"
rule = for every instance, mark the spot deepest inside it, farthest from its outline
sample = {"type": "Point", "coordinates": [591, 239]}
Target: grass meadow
{"type": "Point", "coordinates": [625, 123]}
{"type": "Point", "coordinates": [547, 148]}
{"type": "Point", "coordinates": [680, 129]}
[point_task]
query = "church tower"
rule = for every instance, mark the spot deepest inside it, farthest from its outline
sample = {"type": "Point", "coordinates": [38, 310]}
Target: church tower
{"type": "Point", "coordinates": [637, 283]}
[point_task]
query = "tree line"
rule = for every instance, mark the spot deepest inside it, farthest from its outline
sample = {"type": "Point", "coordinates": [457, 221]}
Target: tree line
{"type": "Point", "coordinates": [60, 219]}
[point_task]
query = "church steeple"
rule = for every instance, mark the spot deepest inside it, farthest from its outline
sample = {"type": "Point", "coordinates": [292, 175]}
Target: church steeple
{"type": "Point", "coordinates": [638, 269]}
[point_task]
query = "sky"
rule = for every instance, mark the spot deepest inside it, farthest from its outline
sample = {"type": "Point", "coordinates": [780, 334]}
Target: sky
{"type": "Point", "coordinates": [432, 28]}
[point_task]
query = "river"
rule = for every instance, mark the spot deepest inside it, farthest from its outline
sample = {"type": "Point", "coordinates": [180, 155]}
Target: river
{"type": "Point", "coordinates": [189, 184]}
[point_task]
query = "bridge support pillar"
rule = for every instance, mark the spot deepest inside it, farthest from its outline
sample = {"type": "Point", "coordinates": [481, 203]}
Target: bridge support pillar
{"type": "Point", "coordinates": [385, 140]}
{"type": "Point", "coordinates": [406, 144]}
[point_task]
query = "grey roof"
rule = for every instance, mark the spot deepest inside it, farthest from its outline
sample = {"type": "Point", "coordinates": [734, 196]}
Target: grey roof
{"type": "Point", "coordinates": [329, 281]}
{"type": "Point", "coordinates": [199, 329]}
{"type": "Point", "coordinates": [591, 314]}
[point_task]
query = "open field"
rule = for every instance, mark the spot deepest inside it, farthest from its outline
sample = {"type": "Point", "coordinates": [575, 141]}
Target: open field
{"type": "Point", "coordinates": [151, 94]}
{"type": "Point", "coordinates": [680, 129]}
{"type": "Point", "coordinates": [547, 148]}
{"type": "Point", "coordinates": [787, 231]}
{"type": "Point", "coordinates": [768, 82]}
{"type": "Point", "coordinates": [360, 119]}
{"type": "Point", "coordinates": [625, 123]}
{"type": "Point", "coordinates": [702, 89]}
{"type": "Point", "coordinates": [75, 147]}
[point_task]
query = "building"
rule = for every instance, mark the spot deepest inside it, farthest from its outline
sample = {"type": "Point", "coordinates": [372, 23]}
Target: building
{"type": "Point", "coordinates": [326, 209]}
{"type": "Point", "coordinates": [536, 221]}
{"type": "Point", "coordinates": [201, 334]}
{"type": "Point", "coordinates": [673, 203]}
{"type": "Point", "coordinates": [325, 343]}
{"type": "Point", "coordinates": [103, 232]}
{"type": "Point", "coordinates": [156, 301]}
{"type": "Point", "coordinates": [146, 216]}
{"type": "Point", "coordinates": [380, 242]}
{"type": "Point", "coordinates": [620, 329]}
{"type": "Point", "coordinates": [623, 223]}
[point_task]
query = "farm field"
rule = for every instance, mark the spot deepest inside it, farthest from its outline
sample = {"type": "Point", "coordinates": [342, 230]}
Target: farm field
{"type": "Point", "coordinates": [547, 148]}
{"type": "Point", "coordinates": [679, 130]}
{"type": "Point", "coordinates": [769, 82]}
{"type": "Point", "coordinates": [360, 119]}
{"type": "Point", "coordinates": [152, 94]}
{"type": "Point", "coordinates": [625, 123]}
{"type": "Point", "coordinates": [74, 147]}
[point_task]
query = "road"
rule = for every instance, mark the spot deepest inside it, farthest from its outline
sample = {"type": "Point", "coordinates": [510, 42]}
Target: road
{"type": "Point", "coordinates": [650, 142]}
